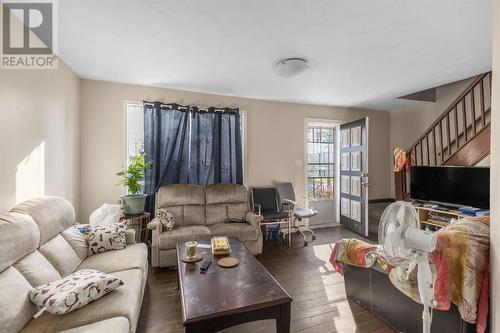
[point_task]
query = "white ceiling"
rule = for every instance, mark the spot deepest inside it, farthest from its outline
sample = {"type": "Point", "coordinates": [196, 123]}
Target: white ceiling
{"type": "Point", "coordinates": [363, 53]}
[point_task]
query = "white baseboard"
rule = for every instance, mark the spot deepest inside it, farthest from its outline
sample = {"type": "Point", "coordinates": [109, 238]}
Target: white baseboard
{"type": "Point", "coordinates": [326, 225]}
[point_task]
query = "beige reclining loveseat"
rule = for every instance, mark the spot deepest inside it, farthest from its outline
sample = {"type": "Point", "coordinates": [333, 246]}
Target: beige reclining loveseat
{"type": "Point", "coordinates": [200, 213]}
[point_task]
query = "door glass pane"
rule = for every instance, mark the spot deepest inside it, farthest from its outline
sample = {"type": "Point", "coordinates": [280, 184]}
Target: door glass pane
{"type": "Point", "coordinates": [321, 162]}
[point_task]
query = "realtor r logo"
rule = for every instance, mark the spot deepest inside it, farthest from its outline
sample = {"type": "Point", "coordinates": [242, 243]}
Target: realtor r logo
{"type": "Point", "coordinates": [29, 39]}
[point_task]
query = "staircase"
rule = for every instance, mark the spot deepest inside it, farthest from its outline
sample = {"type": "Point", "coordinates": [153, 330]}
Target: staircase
{"type": "Point", "coordinates": [459, 136]}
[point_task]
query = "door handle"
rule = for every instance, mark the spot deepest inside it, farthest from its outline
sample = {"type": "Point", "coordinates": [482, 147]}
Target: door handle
{"type": "Point", "coordinates": [363, 184]}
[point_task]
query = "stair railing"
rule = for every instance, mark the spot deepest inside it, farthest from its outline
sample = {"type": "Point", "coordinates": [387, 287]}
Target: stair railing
{"type": "Point", "coordinates": [460, 123]}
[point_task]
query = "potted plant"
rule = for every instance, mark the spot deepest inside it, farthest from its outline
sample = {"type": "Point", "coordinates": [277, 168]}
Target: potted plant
{"type": "Point", "coordinates": [134, 201]}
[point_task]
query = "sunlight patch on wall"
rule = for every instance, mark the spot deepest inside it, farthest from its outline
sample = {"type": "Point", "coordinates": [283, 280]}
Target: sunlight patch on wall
{"type": "Point", "coordinates": [30, 175]}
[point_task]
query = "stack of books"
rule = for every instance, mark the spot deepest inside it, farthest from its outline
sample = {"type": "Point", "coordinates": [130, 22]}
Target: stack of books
{"type": "Point", "coordinates": [220, 245]}
{"type": "Point", "coordinates": [471, 211]}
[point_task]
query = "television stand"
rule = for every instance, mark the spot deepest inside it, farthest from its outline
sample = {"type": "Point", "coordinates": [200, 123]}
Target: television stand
{"type": "Point", "coordinates": [436, 218]}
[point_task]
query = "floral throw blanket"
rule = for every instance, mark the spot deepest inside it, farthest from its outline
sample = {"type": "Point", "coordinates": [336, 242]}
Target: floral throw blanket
{"type": "Point", "coordinates": [461, 260]}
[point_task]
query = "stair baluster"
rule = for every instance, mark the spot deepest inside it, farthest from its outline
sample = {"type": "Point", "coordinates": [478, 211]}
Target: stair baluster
{"type": "Point", "coordinates": [448, 147]}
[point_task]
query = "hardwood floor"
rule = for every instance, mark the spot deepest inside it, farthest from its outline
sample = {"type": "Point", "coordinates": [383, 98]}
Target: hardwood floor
{"type": "Point", "coordinates": [319, 300]}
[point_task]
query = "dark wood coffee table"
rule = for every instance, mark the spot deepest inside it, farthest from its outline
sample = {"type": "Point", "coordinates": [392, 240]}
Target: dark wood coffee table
{"type": "Point", "coordinates": [224, 297]}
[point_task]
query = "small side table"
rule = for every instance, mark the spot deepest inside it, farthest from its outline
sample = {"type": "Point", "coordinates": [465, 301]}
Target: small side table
{"type": "Point", "coordinates": [139, 224]}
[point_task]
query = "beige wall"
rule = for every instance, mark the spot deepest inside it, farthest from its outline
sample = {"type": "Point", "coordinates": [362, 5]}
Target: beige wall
{"type": "Point", "coordinates": [39, 135]}
{"type": "Point", "coordinates": [274, 138]}
{"type": "Point", "coordinates": [409, 124]}
{"type": "Point", "coordinates": [495, 174]}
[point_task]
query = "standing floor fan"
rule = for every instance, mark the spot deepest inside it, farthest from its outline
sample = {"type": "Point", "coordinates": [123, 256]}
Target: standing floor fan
{"type": "Point", "coordinates": [405, 244]}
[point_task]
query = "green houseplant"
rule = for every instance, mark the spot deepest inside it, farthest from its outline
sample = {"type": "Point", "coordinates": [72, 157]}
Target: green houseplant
{"type": "Point", "coordinates": [132, 177]}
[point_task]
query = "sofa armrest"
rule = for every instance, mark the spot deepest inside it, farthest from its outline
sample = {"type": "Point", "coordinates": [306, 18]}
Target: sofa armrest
{"type": "Point", "coordinates": [130, 236]}
{"type": "Point", "coordinates": [156, 230]}
{"type": "Point", "coordinates": [254, 219]}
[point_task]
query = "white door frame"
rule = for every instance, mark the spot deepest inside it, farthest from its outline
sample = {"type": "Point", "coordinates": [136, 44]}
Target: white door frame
{"type": "Point", "coordinates": [336, 124]}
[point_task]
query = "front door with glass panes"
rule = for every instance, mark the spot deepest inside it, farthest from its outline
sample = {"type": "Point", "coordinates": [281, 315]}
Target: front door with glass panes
{"type": "Point", "coordinates": [321, 172]}
{"type": "Point", "coordinates": [354, 176]}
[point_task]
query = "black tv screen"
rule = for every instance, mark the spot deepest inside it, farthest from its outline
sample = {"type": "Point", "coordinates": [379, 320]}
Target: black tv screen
{"type": "Point", "coordinates": [460, 186]}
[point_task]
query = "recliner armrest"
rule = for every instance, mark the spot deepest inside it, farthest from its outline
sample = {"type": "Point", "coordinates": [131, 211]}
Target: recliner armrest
{"type": "Point", "coordinates": [254, 219]}
{"type": "Point", "coordinates": [155, 224]}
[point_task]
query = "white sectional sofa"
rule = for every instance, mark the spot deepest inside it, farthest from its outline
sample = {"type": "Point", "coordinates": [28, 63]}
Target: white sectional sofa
{"type": "Point", "coordinates": [39, 244]}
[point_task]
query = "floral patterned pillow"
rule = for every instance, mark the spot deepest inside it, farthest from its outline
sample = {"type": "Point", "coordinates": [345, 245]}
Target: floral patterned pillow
{"type": "Point", "coordinates": [74, 291]}
{"type": "Point", "coordinates": [107, 238]}
{"type": "Point", "coordinates": [166, 218]}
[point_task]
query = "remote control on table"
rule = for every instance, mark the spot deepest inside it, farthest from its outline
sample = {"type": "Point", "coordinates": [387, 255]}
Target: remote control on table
{"type": "Point", "coordinates": [205, 265]}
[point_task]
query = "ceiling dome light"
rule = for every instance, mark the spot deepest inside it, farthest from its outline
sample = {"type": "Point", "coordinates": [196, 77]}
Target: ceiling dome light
{"type": "Point", "coordinates": [291, 67]}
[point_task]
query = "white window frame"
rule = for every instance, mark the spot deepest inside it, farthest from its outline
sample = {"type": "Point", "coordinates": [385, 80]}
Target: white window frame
{"type": "Point", "coordinates": [125, 124]}
{"type": "Point", "coordinates": [333, 123]}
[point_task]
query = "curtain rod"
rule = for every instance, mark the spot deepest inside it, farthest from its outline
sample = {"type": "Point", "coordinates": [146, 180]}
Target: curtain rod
{"type": "Point", "coordinates": [184, 107]}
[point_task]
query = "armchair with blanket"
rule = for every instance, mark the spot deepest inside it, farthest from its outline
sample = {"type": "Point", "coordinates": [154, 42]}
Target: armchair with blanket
{"type": "Point", "coordinates": [461, 288]}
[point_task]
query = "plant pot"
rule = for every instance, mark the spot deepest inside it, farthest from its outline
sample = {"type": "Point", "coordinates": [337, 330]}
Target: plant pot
{"type": "Point", "coordinates": [133, 204]}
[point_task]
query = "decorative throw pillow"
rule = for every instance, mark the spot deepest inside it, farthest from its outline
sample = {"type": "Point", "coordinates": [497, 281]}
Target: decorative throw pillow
{"type": "Point", "coordinates": [107, 238]}
{"type": "Point", "coordinates": [74, 291]}
{"type": "Point", "coordinates": [166, 218]}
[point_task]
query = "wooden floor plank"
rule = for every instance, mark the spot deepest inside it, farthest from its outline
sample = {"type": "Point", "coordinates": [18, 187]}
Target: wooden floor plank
{"type": "Point", "coordinates": [319, 300]}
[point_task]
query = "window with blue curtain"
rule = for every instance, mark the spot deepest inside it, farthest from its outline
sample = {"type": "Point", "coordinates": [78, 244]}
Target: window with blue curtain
{"type": "Point", "coordinates": [190, 145]}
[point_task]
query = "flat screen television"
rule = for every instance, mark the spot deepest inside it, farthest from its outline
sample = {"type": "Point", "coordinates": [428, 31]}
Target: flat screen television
{"type": "Point", "coordinates": [450, 185]}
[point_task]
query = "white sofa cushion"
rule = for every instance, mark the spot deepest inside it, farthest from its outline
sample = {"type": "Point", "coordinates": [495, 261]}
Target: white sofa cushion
{"type": "Point", "coordinates": [15, 306]}
{"type": "Point", "coordinates": [19, 236]}
{"type": "Point", "coordinates": [51, 214]}
{"type": "Point", "coordinates": [133, 256]}
{"type": "Point", "coordinates": [76, 240]}
{"type": "Point", "coordinates": [60, 254]}
{"type": "Point", "coordinates": [37, 269]}
{"type": "Point", "coordinates": [113, 325]}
